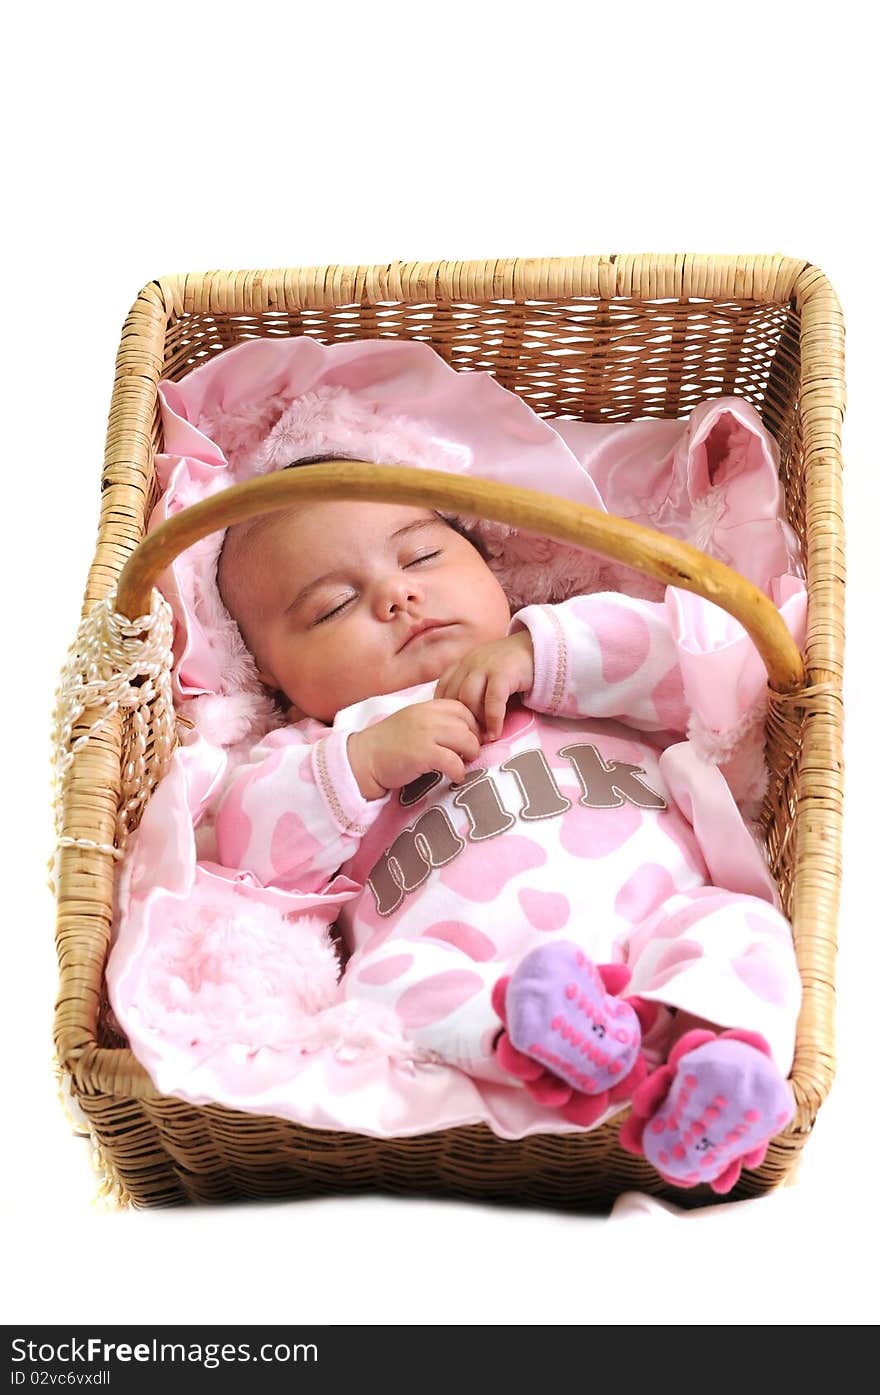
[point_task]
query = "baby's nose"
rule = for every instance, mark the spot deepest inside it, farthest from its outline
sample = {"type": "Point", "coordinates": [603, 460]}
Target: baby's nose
{"type": "Point", "coordinates": [399, 593]}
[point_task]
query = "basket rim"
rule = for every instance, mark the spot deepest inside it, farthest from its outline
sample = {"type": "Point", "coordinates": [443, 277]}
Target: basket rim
{"type": "Point", "coordinates": [769, 278]}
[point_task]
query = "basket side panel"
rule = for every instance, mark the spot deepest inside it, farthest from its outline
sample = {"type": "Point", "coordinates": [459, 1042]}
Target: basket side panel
{"type": "Point", "coordinates": [84, 878]}
{"type": "Point", "coordinates": [804, 807]}
{"type": "Point", "coordinates": [165, 1152]}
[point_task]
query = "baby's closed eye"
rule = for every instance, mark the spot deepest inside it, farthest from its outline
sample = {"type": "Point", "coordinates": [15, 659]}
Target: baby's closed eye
{"type": "Point", "coordinates": [328, 614]}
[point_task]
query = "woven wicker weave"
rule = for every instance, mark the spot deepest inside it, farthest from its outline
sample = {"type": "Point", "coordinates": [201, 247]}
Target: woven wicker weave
{"type": "Point", "coordinates": [610, 338]}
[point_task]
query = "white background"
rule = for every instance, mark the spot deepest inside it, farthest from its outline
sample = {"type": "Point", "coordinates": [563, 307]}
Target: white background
{"type": "Point", "coordinates": [154, 139]}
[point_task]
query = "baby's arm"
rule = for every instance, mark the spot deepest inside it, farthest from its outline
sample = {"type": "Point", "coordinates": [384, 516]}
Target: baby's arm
{"type": "Point", "coordinates": [294, 813]}
{"type": "Point", "coordinates": [433, 735]}
{"type": "Point", "coordinates": [299, 808]}
{"type": "Point", "coordinates": [605, 655]}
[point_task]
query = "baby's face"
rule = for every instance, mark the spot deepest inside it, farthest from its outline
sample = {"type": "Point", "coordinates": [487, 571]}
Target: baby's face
{"type": "Point", "coordinates": [330, 598]}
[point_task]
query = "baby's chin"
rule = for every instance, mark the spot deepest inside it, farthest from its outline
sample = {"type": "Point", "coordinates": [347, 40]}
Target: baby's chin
{"type": "Point", "coordinates": [433, 657]}
{"type": "Point", "coordinates": [397, 684]}
{"type": "Point", "coordinates": [431, 661]}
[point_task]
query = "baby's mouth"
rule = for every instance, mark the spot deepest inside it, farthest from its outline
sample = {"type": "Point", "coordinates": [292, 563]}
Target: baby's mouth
{"type": "Point", "coordinates": [427, 627]}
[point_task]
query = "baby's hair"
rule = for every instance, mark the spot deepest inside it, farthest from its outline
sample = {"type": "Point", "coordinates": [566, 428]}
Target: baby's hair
{"type": "Point", "coordinates": [467, 533]}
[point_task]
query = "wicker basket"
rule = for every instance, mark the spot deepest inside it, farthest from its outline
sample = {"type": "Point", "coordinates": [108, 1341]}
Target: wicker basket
{"type": "Point", "coordinates": [610, 338]}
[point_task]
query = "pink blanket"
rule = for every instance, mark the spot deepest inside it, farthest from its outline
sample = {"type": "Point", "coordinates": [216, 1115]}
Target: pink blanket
{"type": "Point", "coordinates": [226, 989]}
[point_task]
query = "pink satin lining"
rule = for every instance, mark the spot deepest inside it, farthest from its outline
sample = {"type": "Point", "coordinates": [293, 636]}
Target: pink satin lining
{"type": "Point", "coordinates": [711, 476]}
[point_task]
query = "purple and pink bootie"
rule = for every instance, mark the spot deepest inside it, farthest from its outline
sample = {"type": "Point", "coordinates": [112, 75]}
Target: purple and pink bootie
{"type": "Point", "coordinates": [575, 1044]}
{"type": "Point", "coordinates": [710, 1111]}
{"type": "Point", "coordinates": [568, 1036]}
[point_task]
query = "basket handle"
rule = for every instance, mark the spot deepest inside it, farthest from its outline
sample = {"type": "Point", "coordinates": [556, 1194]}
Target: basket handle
{"type": "Point", "coordinates": [658, 555]}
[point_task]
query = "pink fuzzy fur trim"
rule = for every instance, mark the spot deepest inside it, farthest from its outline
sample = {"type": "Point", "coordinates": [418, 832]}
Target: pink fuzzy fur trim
{"type": "Point", "coordinates": [223, 967]}
{"type": "Point", "coordinates": [226, 969]}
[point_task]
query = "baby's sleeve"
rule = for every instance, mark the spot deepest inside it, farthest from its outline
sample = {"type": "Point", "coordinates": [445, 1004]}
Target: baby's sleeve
{"type": "Point", "coordinates": [293, 813]}
{"type": "Point", "coordinates": [605, 655]}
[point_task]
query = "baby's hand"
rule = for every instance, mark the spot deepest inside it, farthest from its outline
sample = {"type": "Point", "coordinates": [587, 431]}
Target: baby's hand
{"type": "Point", "coordinates": [486, 677]}
{"type": "Point", "coordinates": [427, 736]}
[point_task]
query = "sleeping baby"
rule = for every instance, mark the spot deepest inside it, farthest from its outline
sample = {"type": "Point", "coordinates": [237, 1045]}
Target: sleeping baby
{"type": "Point", "coordinates": [508, 796]}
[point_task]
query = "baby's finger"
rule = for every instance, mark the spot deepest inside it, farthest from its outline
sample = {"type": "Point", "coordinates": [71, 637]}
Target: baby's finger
{"type": "Point", "coordinates": [448, 763]}
{"type": "Point", "coordinates": [495, 704]}
{"type": "Point", "coordinates": [471, 692]}
{"type": "Point", "coordinates": [466, 742]}
{"type": "Point", "coordinates": [459, 712]}
{"type": "Point", "coordinates": [445, 688]}
{"type": "Point", "coordinates": [450, 682]}
{"type": "Point", "coordinates": [459, 731]}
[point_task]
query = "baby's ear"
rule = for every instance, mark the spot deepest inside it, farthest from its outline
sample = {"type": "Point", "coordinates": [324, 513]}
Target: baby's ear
{"type": "Point", "coordinates": [271, 682]}
{"type": "Point", "coordinates": [267, 678]}
{"type": "Point", "coordinates": [290, 709]}
{"type": "Point", "coordinates": [293, 713]}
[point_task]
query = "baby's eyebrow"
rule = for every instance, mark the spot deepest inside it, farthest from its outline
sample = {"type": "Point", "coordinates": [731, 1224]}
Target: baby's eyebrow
{"type": "Point", "coordinates": [328, 576]}
{"type": "Point", "coordinates": [309, 588]}
{"type": "Point", "coordinates": [419, 523]}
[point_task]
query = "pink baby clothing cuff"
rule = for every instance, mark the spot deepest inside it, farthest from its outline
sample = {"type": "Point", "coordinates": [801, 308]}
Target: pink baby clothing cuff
{"type": "Point", "coordinates": [350, 811]}
{"type": "Point", "coordinates": [550, 656]}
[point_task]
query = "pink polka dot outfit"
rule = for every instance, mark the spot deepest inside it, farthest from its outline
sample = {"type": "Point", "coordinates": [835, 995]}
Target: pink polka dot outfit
{"type": "Point", "coordinates": [590, 821]}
